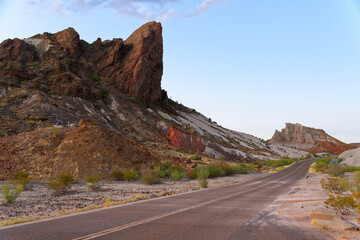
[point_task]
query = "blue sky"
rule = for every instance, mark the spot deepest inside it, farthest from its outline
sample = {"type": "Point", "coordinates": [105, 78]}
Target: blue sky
{"type": "Point", "coordinates": [250, 65]}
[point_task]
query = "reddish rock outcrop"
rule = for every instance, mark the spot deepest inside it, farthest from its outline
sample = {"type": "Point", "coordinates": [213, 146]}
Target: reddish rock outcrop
{"type": "Point", "coordinates": [136, 65]}
{"type": "Point", "coordinates": [68, 41]}
{"type": "Point", "coordinates": [309, 139]}
{"type": "Point", "coordinates": [16, 50]}
{"type": "Point", "coordinates": [185, 140]}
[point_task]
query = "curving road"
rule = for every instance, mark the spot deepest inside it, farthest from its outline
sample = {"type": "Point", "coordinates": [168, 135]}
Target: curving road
{"type": "Point", "coordinates": [240, 211]}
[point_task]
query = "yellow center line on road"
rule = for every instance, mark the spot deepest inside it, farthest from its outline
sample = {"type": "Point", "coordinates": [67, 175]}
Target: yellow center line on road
{"type": "Point", "coordinates": [133, 224]}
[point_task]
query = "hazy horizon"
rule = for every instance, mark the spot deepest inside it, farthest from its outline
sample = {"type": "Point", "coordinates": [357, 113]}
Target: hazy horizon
{"type": "Point", "coordinates": [249, 66]}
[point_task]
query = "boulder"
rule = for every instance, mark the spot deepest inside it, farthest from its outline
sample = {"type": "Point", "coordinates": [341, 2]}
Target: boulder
{"type": "Point", "coordinates": [351, 157]}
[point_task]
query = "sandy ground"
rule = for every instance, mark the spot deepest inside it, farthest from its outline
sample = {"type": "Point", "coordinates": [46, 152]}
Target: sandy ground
{"type": "Point", "coordinates": [295, 207]}
{"type": "Point", "coordinates": [41, 202]}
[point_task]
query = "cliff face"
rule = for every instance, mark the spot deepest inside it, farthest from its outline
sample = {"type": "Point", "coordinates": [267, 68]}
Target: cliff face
{"type": "Point", "coordinates": [135, 65]}
{"type": "Point", "coordinates": [309, 139]}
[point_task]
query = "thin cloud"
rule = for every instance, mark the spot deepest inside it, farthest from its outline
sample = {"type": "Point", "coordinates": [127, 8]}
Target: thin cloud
{"type": "Point", "coordinates": [144, 9]}
{"type": "Point", "coordinates": [205, 6]}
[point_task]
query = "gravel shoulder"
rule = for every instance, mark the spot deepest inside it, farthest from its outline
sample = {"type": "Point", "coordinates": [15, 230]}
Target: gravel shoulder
{"type": "Point", "coordinates": [307, 194]}
{"type": "Point", "coordinates": [39, 202]}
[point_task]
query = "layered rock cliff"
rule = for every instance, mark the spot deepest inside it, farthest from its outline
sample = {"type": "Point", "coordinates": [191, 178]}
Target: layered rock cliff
{"type": "Point", "coordinates": [310, 139]}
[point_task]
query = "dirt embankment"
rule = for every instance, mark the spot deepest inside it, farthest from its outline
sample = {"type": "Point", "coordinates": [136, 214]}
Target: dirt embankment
{"type": "Point", "coordinates": [47, 152]}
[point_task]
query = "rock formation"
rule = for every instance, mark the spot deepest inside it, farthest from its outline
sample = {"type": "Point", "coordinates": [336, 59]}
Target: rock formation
{"type": "Point", "coordinates": [67, 105]}
{"type": "Point", "coordinates": [136, 65]}
{"type": "Point", "coordinates": [63, 63]}
{"type": "Point", "coordinates": [310, 139]}
{"type": "Point", "coordinates": [351, 157]}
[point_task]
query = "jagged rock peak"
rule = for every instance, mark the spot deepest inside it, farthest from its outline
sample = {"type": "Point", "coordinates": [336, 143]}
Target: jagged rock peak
{"type": "Point", "coordinates": [136, 65]}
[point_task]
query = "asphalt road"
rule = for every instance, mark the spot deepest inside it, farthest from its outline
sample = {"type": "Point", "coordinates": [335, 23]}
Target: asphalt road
{"type": "Point", "coordinates": [240, 211]}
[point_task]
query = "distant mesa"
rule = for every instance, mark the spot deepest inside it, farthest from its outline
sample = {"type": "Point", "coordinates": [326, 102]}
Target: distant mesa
{"type": "Point", "coordinates": [309, 139]}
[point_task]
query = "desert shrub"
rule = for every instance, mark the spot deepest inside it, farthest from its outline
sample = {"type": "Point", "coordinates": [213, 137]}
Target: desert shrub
{"type": "Point", "coordinates": [131, 174]}
{"type": "Point", "coordinates": [177, 174]}
{"type": "Point", "coordinates": [336, 170]}
{"type": "Point", "coordinates": [150, 179]}
{"type": "Point", "coordinates": [215, 171]}
{"type": "Point", "coordinates": [11, 192]}
{"type": "Point", "coordinates": [55, 131]}
{"type": "Point", "coordinates": [279, 163]}
{"type": "Point", "coordinates": [22, 178]}
{"type": "Point", "coordinates": [117, 175]}
{"type": "Point", "coordinates": [160, 173]}
{"type": "Point", "coordinates": [167, 164]}
{"type": "Point", "coordinates": [195, 157]}
{"type": "Point", "coordinates": [241, 170]}
{"type": "Point", "coordinates": [202, 175]}
{"type": "Point", "coordinates": [357, 177]}
{"type": "Point", "coordinates": [351, 168]}
{"type": "Point", "coordinates": [191, 174]}
{"type": "Point", "coordinates": [229, 170]}
{"type": "Point", "coordinates": [341, 204]}
{"type": "Point", "coordinates": [93, 182]}
{"type": "Point", "coordinates": [168, 172]}
{"type": "Point", "coordinates": [335, 185]}
{"type": "Point", "coordinates": [321, 165]}
{"type": "Point", "coordinates": [61, 183]}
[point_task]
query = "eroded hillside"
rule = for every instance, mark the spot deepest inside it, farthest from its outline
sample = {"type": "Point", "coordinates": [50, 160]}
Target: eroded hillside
{"type": "Point", "coordinates": [67, 105]}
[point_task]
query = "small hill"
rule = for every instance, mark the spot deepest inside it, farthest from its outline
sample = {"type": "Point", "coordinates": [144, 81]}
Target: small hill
{"type": "Point", "coordinates": [309, 139]}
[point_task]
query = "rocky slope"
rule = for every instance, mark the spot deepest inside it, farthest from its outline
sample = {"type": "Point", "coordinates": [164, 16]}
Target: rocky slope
{"type": "Point", "coordinates": [351, 157]}
{"type": "Point", "coordinates": [310, 139]}
{"type": "Point", "coordinates": [67, 105]}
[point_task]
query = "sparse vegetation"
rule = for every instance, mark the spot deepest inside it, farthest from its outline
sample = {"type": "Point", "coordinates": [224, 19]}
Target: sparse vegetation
{"type": "Point", "coordinates": [191, 174]}
{"type": "Point", "coordinates": [61, 183]}
{"type": "Point", "coordinates": [332, 166]}
{"type": "Point", "coordinates": [202, 175]}
{"type": "Point", "coordinates": [131, 174]}
{"type": "Point", "coordinates": [22, 179]}
{"type": "Point", "coordinates": [117, 175]}
{"type": "Point", "coordinates": [108, 201]}
{"type": "Point", "coordinates": [215, 171]}
{"type": "Point", "coordinates": [279, 163]}
{"type": "Point", "coordinates": [195, 157]}
{"type": "Point", "coordinates": [335, 185]}
{"type": "Point", "coordinates": [341, 204]}
{"type": "Point", "coordinates": [55, 131]}
{"type": "Point", "coordinates": [93, 182]}
{"type": "Point", "coordinates": [177, 174]}
{"type": "Point", "coordinates": [150, 179]}
{"type": "Point", "coordinates": [11, 192]}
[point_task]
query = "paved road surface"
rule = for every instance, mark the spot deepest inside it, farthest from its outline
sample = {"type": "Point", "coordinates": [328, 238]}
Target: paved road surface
{"type": "Point", "coordinates": [239, 211]}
